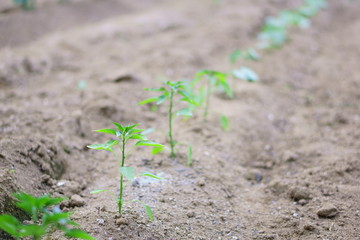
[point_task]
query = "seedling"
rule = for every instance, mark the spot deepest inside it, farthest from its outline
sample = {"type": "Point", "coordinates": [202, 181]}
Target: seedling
{"type": "Point", "coordinates": [247, 54]}
{"type": "Point", "coordinates": [189, 156]}
{"type": "Point", "coordinates": [125, 134]}
{"type": "Point", "coordinates": [225, 123]}
{"type": "Point", "coordinates": [169, 91]}
{"type": "Point", "coordinates": [245, 74]}
{"type": "Point", "coordinates": [274, 33]}
{"type": "Point", "coordinates": [214, 79]}
{"type": "Point", "coordinates": [46, 217]}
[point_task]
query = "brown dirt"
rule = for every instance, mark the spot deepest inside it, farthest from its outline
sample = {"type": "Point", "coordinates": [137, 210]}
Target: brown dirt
{"type": "Point", "coordinates": [293, 148]}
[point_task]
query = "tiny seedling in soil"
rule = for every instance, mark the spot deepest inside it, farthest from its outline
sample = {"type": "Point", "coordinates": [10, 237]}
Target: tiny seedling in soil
{"type": "Point", "coordinates": [225, 123]}
{"type": "Point", "coordinates": [125, 134]}
{"type": "Point", "coordinates": [246, 74]}
{"type": "Point", "coordinates": [247, 54]}
{"type": "Point", "coordinates": [169, 91]}
{"type": "Point", "coordinates": [46, 218]}
{"type": "Point", "coordinates": [274, 33]}
{"type": "Point", "coordinates": [214, 80]}
{"type": "Point", "coordinates": [189, 156]}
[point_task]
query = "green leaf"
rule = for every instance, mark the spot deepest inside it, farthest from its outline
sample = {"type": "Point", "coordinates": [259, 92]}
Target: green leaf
{"type": "Point", "coordinates": [138, 137]}
{"type": "Point", "coordinates": [109, 131]}
{"type": "Point", "coordinates": [189, 156]}
{"type": "Point", "coordinates": [147, 174]}
{"type": "Point", "coordinates": [149, 100]}
{"type": "Point", "coordinates": [246, 74]}
{"type": "Point", "coordinates": [149, 212]}
{"type": "Point", "coordinates": [224, 123]}
{"type": "Point", "coordinates": [77, 233]}
{"type": "Point", "coordinates": [105, 146]}
{"type": "Point", "coordinates": [128, 172]}
{"type": "Point", "coordinates": [36, 231]}
{"type": "Point", "coordinates": [10, 225]}
{"type": "Point", "coordinates": [98, 191]}
{"type": "Point", "coordinates": [184, 112]}
{"type": "Point", "coordinates": [157, 150]}
{"type": "Point", "coordinates": [226, 87]}
{"type": "Point", "coordinates": [155, 89]}
{"type": "Point", "coordinates": [148, 143]}
{"type": "Point", "coordinates": [119, 126]}
{"type": "Point", "coordinates": [162, 98]}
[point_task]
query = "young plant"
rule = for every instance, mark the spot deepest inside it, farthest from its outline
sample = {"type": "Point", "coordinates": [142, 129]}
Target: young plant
{"type": "Point", "coordinates": [169, 91]}
{"type": "Point", "coordinates": [213, 80]}
{"type": "Point", "coordinates": [247, 54]}
{"type": "Point", "coordinates": [224, 120]}
{"type": "Point", "coordinates": [46, 217]}
{"type": "Point", "coordinates": [125, 134]}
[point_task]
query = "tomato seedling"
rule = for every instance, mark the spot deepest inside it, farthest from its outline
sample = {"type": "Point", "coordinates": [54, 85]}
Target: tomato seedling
{"type": "Point", "coordinates": [169, 91]}
{"type": "Point", "coordinates": [46, 217]}
{"type": "Point", "coordinates": [126, 134]}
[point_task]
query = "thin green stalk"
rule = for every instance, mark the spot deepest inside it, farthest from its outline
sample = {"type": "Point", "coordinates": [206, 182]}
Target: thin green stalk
{"type": "Point", "coordinates": [120, 203]}
{"type": "Point", "coordinates": [208, 93]}
{"type": "Point", "coordinates": [170, 124]}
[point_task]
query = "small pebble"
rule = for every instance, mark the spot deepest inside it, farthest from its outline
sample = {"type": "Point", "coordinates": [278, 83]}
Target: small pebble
{"type": "Point", "coordinates": [190, 214]}
{"type": "Point", "coordinates": [328, 210]}
{"type": "Point", "coordinates": [121, 221]}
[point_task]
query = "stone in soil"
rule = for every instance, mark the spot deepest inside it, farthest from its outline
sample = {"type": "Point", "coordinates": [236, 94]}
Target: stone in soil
{"type": "Point", "coordinates": [328, 210]}
{"type": "Point", "coordinates": [298, 194]}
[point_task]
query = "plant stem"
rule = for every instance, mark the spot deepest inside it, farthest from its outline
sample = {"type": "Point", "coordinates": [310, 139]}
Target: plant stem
{"type": "Point", "coordinates": [170, 124]}
{"type": "Point", "coordinates": [207, 103]}
{"type": "Point", "coordinates": [120, 203]}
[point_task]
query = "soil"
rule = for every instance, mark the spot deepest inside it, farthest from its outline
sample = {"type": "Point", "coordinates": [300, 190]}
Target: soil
{"type": "Point", "coordinates": [287, 169]}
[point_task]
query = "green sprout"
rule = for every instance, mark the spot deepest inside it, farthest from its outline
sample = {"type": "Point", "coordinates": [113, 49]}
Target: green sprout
{"type": "Point", "coordinates": [126, 134]}
{"type": "Point", "coordinates": [225, 123]}
{"type": "Point", "coordinates": [46, 217]}
{"type": "Point", "coordinates": [169, 91]}
{"type": "Point", "coordinates": [189, 156]}
{"type": "Point", "coordinates": [247, 54]}
{"type": "Point", "coordinates": [246, 74]}
{"type": "Point", "coordinates": [274, 33]}
{"type": "Point", "coordinates": [214, 79]}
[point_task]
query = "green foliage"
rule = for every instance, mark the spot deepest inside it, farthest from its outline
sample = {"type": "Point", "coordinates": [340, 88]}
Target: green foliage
{"type": "Point", "coordinates": [225, 123]}
{"type": "Point", "coordinates": [45, 215]}
{"type": "Point", "coordinates": [125, 134]}
{"type": "Point", "coordinates": [214, 80]}
{"type": "Point", "coordinates": [245, 74]}
{"type": "Point", "coordinates": [169, 92]}
{"type": "Point", "coordinates": [247, 54]}
{"type": "Point", "coordinates": [274, 33]}
{"type": "Point", "coordinates": [25, 4]}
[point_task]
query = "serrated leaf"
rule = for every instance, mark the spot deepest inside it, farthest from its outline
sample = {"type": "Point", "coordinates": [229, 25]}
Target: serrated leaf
{"type": "Point", "coordinates": [77, 233]}
{"type": "Point", "coordinates": [105, 146]}
{"type": "Point", "coordinates": [128, 172]}
{"type": "Point", "coordinates": [246, 74]}
{"type": "Point", "coordinates": [149, 212]}
{"type": "Point", "coordinates": [147, 174]}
